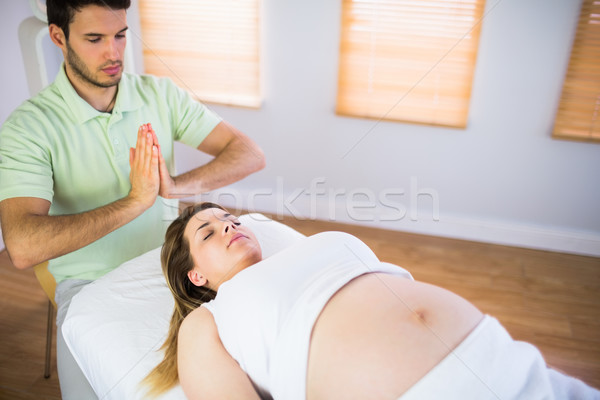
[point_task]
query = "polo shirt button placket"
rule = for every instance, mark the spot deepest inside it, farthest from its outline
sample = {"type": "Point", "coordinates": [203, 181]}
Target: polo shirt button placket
{"type": "Point", "coordinates": [114, 141]}
{"type": "Point", "coordinates": [116, 144]}
{"type": "Point", "coordinates": [114, 136]}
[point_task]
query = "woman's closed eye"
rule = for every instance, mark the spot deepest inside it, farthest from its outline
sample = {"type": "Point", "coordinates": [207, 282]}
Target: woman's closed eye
{"type": "Point", "coordinates": [208, 235]}
{"type": "Point", "coordinates": [236, 222]}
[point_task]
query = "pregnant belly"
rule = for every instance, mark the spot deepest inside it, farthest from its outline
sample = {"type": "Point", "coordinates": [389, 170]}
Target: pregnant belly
{"type": "Point", "coordinates": [380, 334]}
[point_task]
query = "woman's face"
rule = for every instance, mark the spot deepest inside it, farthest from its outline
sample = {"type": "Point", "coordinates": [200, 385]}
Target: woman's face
{"type": "Point", "coordinates": [220, 247]}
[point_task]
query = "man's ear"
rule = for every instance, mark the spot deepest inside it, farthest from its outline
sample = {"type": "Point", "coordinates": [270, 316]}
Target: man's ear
{"type": "Point", "coordinates": [196, 278]}
{"type": "Point", "coordinates": [57, 36]}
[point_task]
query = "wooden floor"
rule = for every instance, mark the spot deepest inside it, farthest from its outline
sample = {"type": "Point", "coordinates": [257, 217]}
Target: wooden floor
{"type": "Point", "coordinates": [23, 316]}
{"type": "Point", "coordinates": [549, 299]}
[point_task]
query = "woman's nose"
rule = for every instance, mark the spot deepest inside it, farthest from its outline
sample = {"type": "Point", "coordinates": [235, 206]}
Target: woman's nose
{"type": "Point", "coordinates": [228, 225]}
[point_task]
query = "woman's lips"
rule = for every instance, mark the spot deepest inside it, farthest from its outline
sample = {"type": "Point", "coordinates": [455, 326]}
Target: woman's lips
{"type": "Point", "coordinates": [236, 237]}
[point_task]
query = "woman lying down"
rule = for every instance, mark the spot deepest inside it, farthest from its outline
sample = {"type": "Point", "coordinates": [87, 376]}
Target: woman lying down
{"type": "Point", "coordinates": [325, 319]}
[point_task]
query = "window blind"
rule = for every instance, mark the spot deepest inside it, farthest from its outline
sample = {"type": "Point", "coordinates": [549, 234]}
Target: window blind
{"type": "Point", "coordinates": [408, 60]}
{"type": "Point", "coordinates": [578, 115]}
{"type": "Point", "coordinates": [208, 47]}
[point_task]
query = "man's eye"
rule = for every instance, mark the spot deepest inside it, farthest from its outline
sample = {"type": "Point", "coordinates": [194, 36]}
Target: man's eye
{"type": "Point", "coordinates": [94, 40]}
{"type": "Point", "coordinates": [236, 223]}
{"type": "Point", "coordinates": [120, 36]}
{"type": "Point", "coordinates": [209, 235]}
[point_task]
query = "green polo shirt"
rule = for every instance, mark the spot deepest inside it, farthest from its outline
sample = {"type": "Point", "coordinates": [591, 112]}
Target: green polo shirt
{"type": "Point", "coordinates": [57, 147]}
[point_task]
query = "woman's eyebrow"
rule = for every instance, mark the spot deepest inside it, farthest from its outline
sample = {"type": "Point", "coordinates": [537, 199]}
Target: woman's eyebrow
{"type": "Point", "coordinates": [204, 225]}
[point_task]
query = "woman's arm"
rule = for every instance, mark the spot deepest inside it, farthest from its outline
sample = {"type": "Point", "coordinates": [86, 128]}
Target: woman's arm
{"type": "Point", "coordinates": [205, 368]}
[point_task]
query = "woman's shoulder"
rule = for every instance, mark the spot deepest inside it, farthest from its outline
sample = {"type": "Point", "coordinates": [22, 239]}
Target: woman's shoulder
{"type": "Point", "coordinates": [335, 236]}
{"type": "Point", "coordinates": [199, 321]}
{"type": "Point", "coordinates": [332, 234]}
{"type": "Point", "coordinates": [330, 239]}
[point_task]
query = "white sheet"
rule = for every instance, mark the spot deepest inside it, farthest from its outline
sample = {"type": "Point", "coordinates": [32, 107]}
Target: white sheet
{"type": "Point", "coordinates": [116, 324]}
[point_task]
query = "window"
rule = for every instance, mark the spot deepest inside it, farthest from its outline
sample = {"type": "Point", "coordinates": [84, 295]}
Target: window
{"type": "Point", "coordinates": [408, 60]}
{"type": "Point", "coordinates": [208, 47]}
{"type": "Point", "coordinates": [578, 114]}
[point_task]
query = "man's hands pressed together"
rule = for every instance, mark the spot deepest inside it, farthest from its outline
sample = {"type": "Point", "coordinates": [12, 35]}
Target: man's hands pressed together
{"type": "Point", "coordinates": [144, 175]}
{"type": "Point", "coordinates": [149, 174]}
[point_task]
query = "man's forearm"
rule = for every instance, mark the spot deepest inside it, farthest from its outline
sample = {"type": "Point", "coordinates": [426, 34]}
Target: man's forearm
{"type": "Point", "coordinates": [235, 162]}
{"type": "Point", "coordinates": [38, 237]}
{"type": "Point", "coordinates": [32, 236]}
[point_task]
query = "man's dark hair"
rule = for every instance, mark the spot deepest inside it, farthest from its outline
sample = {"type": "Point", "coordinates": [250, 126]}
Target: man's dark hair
{"type": "Point", "coordinates": [61, 12]}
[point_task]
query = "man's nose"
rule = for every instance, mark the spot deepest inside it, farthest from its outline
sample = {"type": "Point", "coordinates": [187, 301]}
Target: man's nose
{"type": "Point", "coordinates": [112, 49]}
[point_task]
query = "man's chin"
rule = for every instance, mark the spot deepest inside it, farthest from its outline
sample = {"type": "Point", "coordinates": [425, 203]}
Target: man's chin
{"type": "Point", "coordinates": [113, 81]}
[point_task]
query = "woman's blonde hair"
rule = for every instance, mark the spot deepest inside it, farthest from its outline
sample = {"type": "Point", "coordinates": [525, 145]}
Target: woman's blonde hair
{"type": "Point", "coordinates": [176, 261]}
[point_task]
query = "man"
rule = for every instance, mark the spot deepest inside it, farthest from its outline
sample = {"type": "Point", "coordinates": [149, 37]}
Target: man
{"type": "Point", "coordinates": [85, 165]}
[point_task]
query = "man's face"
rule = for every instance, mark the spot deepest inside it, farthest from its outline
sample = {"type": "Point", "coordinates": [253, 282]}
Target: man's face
{"type": "Point", "coordinates": [95, 49]}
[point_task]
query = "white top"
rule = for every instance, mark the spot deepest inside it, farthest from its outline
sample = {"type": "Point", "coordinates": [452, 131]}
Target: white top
{"type": "Point", "coordinates": [265, 314]}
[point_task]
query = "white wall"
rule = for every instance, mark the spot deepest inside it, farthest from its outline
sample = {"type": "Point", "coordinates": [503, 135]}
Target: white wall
{"type": "Point", "coordinates": [13, 86]}
{"type": "Point", "coordinates": [501, 180]}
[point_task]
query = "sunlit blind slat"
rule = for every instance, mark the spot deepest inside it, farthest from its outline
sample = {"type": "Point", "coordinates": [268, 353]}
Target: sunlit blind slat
{"type": "Point", "coordinates": [208, 47]}
{"type": "Point", "coordinates": [408, 60]}
{"type": "Point", "coordinates": [578, 114]}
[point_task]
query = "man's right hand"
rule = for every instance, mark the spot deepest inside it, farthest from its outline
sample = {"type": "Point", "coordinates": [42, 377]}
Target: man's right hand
{"type": "Point", "coordinates": [144, 175]}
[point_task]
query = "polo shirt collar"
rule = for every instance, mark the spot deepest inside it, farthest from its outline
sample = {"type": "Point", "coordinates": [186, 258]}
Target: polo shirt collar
{"type": "Point", "coordinates": [127, 97]}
